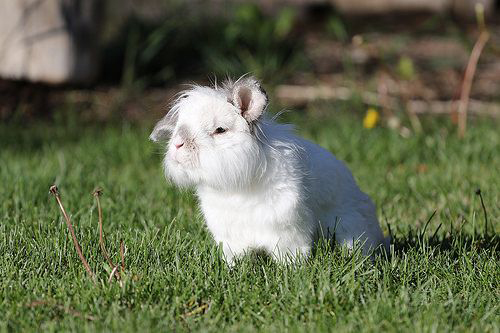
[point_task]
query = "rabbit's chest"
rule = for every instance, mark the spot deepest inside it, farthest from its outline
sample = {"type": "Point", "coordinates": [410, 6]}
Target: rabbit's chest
{"type": "Point", "coordinates": [241, 211]}
{"type": "Point", "coordinates": [252, 220]}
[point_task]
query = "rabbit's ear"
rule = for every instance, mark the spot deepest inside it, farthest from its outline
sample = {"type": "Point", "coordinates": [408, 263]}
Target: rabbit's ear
{"type": "Point", "coordinates": [250, 98]}
{"type": "Point", "coordinates": [164, 127]}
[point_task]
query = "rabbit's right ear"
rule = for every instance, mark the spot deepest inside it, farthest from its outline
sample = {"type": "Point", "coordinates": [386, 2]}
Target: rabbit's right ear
{"type": "Point", "coordinates": [249, 97]}
{"type": "Point", "coordinates": [164, 127]}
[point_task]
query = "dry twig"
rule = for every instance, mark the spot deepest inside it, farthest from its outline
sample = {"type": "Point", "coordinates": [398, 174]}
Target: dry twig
{"type": "Point", "coordinates": [298, 96]}
{"type": "Point", "coordinates": [60, 307]}
{"type": "Point", "coordinates": [467, 82]}
{"type": "Point", "coordinates": [470, 70]}
{"type": "Point", "coordinates": [199, 309]}
{"type": "Point", "coordinates": [122, 254]}
{"type": "Point", "coordinates": [97, 194]}
{"type": "Point", "coordinates": [114, 272]}
{"type": "Point", "coordinates": [115, 269]}
{"type": "Point", "coordinates": [55, 192]}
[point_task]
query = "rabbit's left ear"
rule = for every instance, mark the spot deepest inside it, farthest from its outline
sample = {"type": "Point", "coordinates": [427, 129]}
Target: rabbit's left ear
{"type": "Point", "coordinates": [164, 127]}
{"type": "Point", "coordinates": [250, 98]}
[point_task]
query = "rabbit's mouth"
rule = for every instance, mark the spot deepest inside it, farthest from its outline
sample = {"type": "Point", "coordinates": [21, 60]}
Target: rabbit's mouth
{"type": "Point", "coordinates": [180, 173]}
{"type": "Point", "coordinates": [183, 157]}
{"type": "Point", "coordinates": [182, 166]}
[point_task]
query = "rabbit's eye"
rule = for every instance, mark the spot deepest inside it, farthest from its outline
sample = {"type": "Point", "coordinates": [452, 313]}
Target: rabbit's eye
{"type": "Point", "coordinates": [219, 130]}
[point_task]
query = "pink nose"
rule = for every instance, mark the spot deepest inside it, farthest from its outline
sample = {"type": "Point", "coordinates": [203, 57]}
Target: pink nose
{"type": "Point", "coordinates": [178, 145]}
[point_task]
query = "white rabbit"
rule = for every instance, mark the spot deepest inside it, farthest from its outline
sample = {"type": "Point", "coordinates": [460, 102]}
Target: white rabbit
{"type": "Point", "coordinates": [260, 186]}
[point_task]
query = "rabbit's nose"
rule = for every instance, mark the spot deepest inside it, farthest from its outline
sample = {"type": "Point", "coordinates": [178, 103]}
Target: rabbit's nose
{"type": "Point", "coordinates": [177, 142]}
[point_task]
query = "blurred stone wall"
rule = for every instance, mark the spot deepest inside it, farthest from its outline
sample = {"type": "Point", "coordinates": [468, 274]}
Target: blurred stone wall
{"type": "Point", "coordinates": [52, 41]}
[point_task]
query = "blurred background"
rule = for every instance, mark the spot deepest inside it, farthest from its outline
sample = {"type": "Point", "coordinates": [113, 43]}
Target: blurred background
{"type": "Point", "coordinates": [391, 60]}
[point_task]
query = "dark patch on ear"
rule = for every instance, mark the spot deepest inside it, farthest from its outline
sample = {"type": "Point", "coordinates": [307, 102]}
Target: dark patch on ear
{"type": "Point", "coordinates": [263, 92]}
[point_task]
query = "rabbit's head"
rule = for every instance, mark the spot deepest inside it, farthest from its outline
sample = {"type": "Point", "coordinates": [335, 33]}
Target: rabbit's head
{"type": "Point", "coordinates": [211, 135]}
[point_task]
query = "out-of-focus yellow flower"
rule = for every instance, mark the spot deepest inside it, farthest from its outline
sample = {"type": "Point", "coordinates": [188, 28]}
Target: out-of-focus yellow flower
{"type": "Point", "coordinates": [371, 118]}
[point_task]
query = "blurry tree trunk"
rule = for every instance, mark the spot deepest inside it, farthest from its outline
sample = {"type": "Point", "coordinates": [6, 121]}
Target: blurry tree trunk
{"type": "Point", "coordinates": [51, 41]}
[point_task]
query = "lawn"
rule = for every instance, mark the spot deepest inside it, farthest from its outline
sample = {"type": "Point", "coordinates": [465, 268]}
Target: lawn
{"type": "Point", "coordinates": [443, 276]}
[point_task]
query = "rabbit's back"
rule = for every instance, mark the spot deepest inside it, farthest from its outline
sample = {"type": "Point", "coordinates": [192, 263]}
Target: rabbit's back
{"type": "Point", "coordinates": [339, 207]}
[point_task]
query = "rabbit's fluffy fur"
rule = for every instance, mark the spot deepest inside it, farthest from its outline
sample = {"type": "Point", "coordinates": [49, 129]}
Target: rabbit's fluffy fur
{"type": "Point", "coordinates": [259, 185]}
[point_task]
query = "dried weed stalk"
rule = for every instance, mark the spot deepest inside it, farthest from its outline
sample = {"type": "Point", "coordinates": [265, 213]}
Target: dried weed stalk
{"type": "Point", "coordinates": [470, 70]}
{"type": "Point", "coordinates": [60, 307]}
{"type": "Point", "coordinates": [55, 192]}
{"type": "Point", "coordinates": [115, 269]}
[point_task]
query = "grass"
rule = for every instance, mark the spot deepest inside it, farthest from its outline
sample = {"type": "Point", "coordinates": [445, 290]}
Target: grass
{"type": "Point", "coordinates": [436, 281]}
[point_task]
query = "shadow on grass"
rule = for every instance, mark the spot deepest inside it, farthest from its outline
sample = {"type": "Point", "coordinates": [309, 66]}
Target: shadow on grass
{"type": "Point", "coordinates": [455, 243]}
